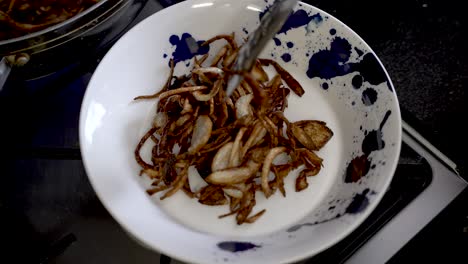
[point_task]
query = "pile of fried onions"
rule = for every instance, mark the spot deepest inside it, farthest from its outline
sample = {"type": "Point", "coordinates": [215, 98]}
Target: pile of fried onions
{"type": "Point", "coordinates": [231, 141]}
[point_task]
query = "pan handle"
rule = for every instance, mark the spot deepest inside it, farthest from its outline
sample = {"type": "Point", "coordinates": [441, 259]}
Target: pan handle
{"type": "Point", "coordinates": [5, 69]}
{"type": "Point", "coordinates": [15, 60]}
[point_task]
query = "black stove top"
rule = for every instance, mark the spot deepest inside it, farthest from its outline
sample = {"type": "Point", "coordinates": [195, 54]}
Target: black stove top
{"type": "Point", "coordinates": [47, 206]}
{"type": "Point", "coordinates": [45, 188]}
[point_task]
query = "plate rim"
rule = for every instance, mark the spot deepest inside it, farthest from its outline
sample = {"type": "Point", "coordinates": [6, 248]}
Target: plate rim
{"type": "Point", "coordinates": [306, 254]}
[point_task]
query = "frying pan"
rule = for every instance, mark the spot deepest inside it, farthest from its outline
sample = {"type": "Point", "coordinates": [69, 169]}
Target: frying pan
{"type": "Point", "coordinates": [44, 52]}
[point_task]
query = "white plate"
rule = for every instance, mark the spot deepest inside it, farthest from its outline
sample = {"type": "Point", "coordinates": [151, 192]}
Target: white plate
{"type": "Point", "coordinates": [346, 86]}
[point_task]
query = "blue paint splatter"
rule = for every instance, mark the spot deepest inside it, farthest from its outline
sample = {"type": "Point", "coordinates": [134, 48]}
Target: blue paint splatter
{"type": "Point", "coordinates": [174, 39]}
{"type": "Point", "coordinates": [245, 31]}
{"type": "Point", "coordinates": [325, 86]}
{"type": "Point", "coordinates": [297, 19]}
{"type": "Point", "coordinates": [235, 246]}
{"type": "Point", "coordinates": [369, 96]}
{"type": "Point", "coordinates": [371, 70]}
{"type": "Point", "coordinates": [357, 81]}
{"type": "Point", "coordinates": [187, 47]}
{"type": "Point", "coordinates": [297, 227]}
{"type": "Point", "coordinates": [373, 141]}
{"type": "Point", "coordinates": [359, 52]}
{"type": "Point", "coordinates": [164, 55]}
{"type": "Point", "coordinates": [332, 31]}
{"type": "Point", "coordinates": [327, 64]}
{"type": "Point", "coordinates": [286, 57]}
{"type": "Point", "coordinates": [277, 41]}
{"type": "Point", "coordinates": [359, 203]}
{"type": "Point", "coordinates": [289, 44]}
{"type": "Point", "coordinates": [317, 19]}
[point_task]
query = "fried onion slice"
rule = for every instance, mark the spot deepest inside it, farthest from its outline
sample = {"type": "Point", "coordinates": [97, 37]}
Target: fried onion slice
{"type": "Point", "coordinates": [201, 133]}
{"type": "Point", "coordinates": [221, 150]}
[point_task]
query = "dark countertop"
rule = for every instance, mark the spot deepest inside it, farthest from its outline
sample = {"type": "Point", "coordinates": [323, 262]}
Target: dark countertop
{"type": "Point", "coordinates": [423, 45]}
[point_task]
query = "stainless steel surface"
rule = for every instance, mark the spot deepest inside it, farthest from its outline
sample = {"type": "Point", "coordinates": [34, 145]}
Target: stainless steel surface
{"type": "Point", "coordinates": [445, 186]}
{"type": "Point", "coordinates": [411, 131]}
{"type": "Point", "coordinates": [270, 24]}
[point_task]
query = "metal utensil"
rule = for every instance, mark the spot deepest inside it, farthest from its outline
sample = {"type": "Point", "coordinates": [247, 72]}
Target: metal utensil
{"type": "Point", "coordinates": [270, 24]}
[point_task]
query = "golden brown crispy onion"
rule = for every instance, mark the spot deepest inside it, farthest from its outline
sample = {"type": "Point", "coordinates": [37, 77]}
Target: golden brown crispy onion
{"type": "Point", "coordinates": [232, 142]}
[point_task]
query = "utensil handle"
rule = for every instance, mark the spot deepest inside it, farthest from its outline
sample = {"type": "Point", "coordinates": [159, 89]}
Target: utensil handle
{"type": "Point", "coordinates": [5, 69]}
